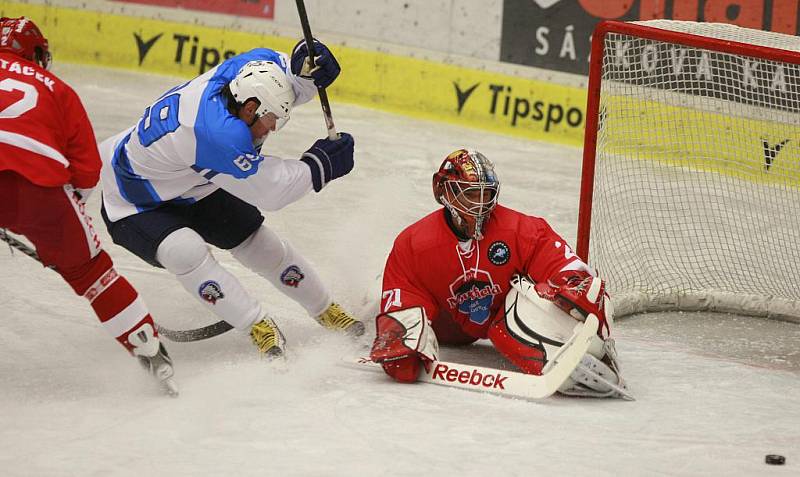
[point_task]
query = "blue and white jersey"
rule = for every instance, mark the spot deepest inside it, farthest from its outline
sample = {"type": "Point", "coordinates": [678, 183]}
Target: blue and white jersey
{"type": "Point", "coordinates": [187, 145]}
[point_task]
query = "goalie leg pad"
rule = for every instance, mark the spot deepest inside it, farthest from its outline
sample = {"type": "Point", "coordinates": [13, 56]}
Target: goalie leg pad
{"type": "Point", "coordinates": [527, 356]}
{"type": "Point", "coordinates": [530, 329]}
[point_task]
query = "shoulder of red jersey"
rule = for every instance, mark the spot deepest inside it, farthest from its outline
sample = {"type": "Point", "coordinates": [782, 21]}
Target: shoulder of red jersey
{"type": "Point", "coordinates": [12, 65]}
{"type": "Point", "coordinates": [425, 233]}
{"type": "Point", "coordinates": [505, 218]}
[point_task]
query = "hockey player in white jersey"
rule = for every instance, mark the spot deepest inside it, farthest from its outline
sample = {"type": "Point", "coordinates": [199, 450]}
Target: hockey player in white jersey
{"type": "Point", "coordinates": [193, 172]}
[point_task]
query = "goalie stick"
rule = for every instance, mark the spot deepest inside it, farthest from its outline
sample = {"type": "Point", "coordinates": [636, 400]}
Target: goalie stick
{"type": "Point", "coordinates": [178, 336]}
{"type": "Point", "coordinates": [509, 383]}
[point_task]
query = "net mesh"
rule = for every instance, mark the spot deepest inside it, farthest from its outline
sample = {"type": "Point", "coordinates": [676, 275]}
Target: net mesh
{"type": "Point", "coordinates": [696, 196]}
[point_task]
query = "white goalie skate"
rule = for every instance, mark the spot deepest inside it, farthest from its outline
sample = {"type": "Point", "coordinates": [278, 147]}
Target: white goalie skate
{"type": "Point", "coordinates": [595, 377]}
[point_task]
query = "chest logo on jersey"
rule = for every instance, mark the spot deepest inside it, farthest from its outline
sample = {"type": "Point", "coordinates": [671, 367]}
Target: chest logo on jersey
{"type": "Point", "coordinates": [473, 295]}
{"type": "Point", "coordinates": [499, 253]}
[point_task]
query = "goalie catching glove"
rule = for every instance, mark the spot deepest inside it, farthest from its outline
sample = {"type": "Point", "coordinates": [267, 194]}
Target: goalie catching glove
{"type": "Point", "coordinates": [579, 294]}
{"type": "Point", "coordinates": [405, 341]}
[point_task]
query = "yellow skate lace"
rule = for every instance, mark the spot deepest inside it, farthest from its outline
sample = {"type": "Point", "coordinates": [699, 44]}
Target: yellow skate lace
{"type": "Point", "coordinates": [335, 318]}
{"type": "Point", "coordinates": [266, 336]}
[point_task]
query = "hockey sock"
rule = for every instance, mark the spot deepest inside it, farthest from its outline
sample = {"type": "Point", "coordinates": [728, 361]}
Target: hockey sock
{"type": "Point", "coordinates": [185, 254]}
{"type": "Point", "coordinates": [115, 302]}
{"type": "Point", "coordinates": [274, 259]}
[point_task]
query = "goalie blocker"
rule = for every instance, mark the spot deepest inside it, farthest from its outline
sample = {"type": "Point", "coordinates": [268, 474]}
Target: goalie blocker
{"type": "Point", "coordinates": [531, 330]}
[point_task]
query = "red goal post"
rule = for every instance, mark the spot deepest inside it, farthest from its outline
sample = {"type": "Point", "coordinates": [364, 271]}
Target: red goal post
{"type": "Point", "coordinates": [690, 191]}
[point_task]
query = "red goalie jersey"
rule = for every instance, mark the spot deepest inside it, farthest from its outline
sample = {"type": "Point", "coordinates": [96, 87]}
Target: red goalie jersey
{"type": "Point", "coordinates": [463, 285]}
{"type": "Point", "coordinates": [45, 134]}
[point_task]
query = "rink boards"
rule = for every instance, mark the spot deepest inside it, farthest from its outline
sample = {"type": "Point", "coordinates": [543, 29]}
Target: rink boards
{"type": "Point", "coordinates": [416, 87]}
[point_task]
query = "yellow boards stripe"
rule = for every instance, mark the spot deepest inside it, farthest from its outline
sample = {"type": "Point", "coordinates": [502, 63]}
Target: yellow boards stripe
{"type": "Point", "coordinates": [410, 86]}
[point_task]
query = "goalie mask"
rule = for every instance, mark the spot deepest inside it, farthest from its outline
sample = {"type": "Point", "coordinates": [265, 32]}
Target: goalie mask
{"type": "Point", "coordinates": [467, 186]}
{"type": "Point", "coordinates": [267, 83]}
{"type": "Point", "coordinates": [23, 38]}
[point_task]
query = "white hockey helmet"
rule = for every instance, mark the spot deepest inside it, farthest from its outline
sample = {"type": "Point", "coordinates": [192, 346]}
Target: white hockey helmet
{"type": "Point", "coordinates": [266, 82]}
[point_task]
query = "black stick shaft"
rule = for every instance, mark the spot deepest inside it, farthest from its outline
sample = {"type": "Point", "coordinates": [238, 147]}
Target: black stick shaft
{"type": "Point", "coordinates": [323, 95]}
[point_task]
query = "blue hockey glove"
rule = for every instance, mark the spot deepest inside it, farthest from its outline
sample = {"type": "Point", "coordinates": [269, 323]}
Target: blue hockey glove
{"type": "Point", "coordinates": [326, 67]}
{"type": "Point", "coordinates": [329, 159]}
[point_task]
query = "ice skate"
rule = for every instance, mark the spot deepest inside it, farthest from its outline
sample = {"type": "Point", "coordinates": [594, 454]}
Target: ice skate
{"type": "Point", "coordinates": [268, 338]}
{"type": "Point", "coordinates": [160, 366]}
{"type": "Point", "coordinates": [335, 318]}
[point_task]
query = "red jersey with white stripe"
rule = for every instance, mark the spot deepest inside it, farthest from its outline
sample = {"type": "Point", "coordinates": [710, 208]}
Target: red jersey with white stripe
{"type": "Point", "coordinates": [45, 134]}
{"type": "Point", "coordinates": [467, 282]}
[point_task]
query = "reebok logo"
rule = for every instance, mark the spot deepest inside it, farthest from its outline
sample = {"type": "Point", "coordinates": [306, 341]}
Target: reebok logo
{"type": "Point", "coordinates": [144, 46]}
{"type": "Point", "coordinates": [475, 378]}
{"type": "Point", "coordinates": [462, 96]}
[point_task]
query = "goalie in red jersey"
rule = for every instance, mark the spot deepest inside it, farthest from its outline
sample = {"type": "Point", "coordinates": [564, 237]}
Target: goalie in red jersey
{"type": "Point", "coordinates": [449, 275]}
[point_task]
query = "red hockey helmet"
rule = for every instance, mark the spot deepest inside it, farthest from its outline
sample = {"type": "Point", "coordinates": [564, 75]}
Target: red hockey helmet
{"type": "Point", "coordinates": [23, 38]}
{"type": "Point", "coordinates": [467, 186]}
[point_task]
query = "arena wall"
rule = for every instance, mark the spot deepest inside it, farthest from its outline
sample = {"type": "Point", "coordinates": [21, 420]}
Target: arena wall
{"type": "Point", "coordinates": [441, 82]}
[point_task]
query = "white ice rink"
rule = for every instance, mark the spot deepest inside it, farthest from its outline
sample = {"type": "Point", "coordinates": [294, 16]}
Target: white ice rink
{"type": "Point", "coordinates": [715, 393]}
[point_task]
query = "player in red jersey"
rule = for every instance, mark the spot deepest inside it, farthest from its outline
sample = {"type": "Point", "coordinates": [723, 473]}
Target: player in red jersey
{"type": "Point", "coordinates": [449, 274]}
{"type": "Point", "coordinates": [48, 165]}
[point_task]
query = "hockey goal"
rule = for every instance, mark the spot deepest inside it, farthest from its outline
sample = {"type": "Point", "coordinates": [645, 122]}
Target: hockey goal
{"type": "Point", "coordinates": [690, 195]}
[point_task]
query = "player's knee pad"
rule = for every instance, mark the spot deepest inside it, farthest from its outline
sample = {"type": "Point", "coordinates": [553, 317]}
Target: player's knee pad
{"type": "Point", "coordinates": [185, 254]}
{"type": "Point", "coordinates": [263, 251]}
{"type": "Point", "coordinates": [182, 251]}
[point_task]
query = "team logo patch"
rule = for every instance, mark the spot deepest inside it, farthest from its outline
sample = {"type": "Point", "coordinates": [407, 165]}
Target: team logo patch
{"type": "Point", "coordinates": [473, 294]}
{"type": "Point", "coordinates": [210, 291]}
{"type": "Point", "coordinates": [292, 276]}
{"type": "Point", "coordinates": [475, 299]}
{"type": "Point", "coordinates": [499, 253]}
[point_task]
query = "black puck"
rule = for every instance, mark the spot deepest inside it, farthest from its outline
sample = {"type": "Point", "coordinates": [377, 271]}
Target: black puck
{"type": "Point", "coordinates": [775, 459]}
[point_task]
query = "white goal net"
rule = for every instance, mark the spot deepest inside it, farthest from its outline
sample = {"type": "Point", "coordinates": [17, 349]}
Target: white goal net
{"type": "Point", "coordinates": [691, 194]}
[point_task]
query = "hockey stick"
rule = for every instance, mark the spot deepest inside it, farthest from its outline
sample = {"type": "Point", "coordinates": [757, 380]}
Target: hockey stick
{"type": "Point", "coordinates": [323, 95]}
{"type": "Point", "coordinates": [179, 336]}
{"type": "Point", "coordinates": [196, 334]}
{"type": "Point", "coordinates": [511, 383]}
{"type": "Point", "coordinates": [16, 244]}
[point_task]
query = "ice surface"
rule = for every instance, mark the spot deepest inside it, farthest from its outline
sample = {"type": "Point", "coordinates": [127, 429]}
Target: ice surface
{"type": "Point", "coordinates": [715, 393]}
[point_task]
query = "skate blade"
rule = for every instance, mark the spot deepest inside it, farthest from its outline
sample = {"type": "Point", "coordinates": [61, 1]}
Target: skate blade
{"type": "Point", "coordinates": [169, 387]}
{"type": "Point", "coordinates": [355, 330]}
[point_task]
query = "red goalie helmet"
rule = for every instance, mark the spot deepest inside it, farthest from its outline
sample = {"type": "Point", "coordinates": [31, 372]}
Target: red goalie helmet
{"type": "Point", "coordinates": [467, 186]}
{"type": "Point", "coordinates": [23, 38]}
